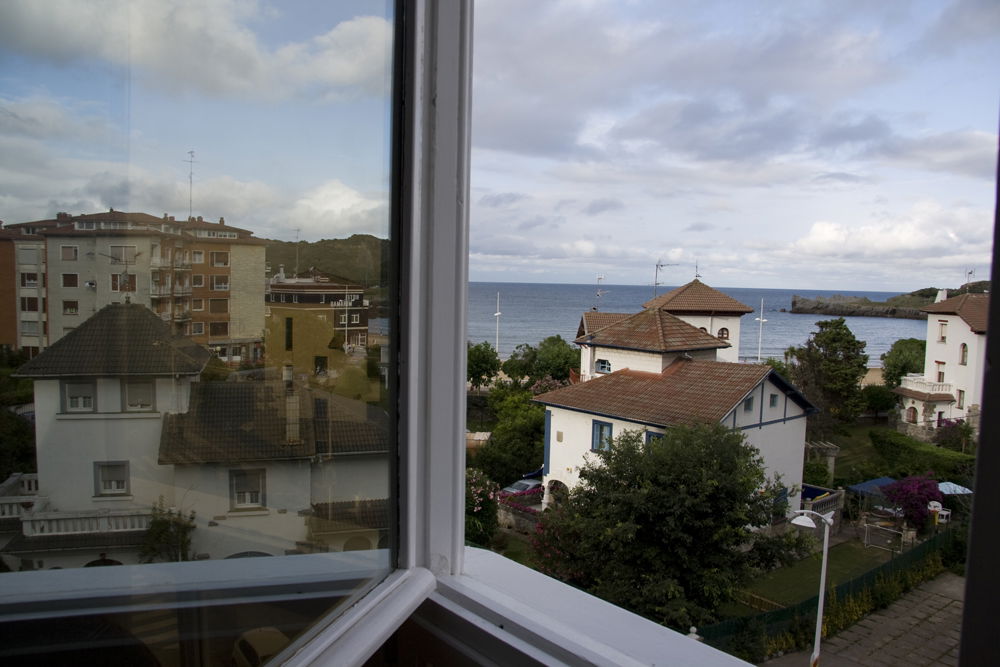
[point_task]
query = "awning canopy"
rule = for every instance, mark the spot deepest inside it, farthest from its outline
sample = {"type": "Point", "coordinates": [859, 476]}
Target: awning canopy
{"type": "Point", "coordinates": [871, 487]}
{"type": "Point", "coordinates": [952, 489]}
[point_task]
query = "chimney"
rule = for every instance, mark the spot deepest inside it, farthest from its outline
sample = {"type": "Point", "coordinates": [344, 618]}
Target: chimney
{"type": "Point", "coordinates": [222, 221]}
{"type": "Point", "coordinates": [941, 295]}
{"type": "Point", "coordinates": [199, 219]}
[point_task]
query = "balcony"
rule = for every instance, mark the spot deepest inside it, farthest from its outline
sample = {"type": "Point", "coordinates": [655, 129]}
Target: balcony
{"type": "Point", "coordinates": [182, 290]}
{"type": "Point", "coordinates": [159, 291]}
{"type": "Point", "coordinates": [89, 521]}
{"type": "Point", "coordinates": [159, 263]}
{"type": "Point", "coordinates": [182, 264]}
{"type": "Point", "coordinates": [182, 315]}
{"type": "Point", "coordinates": [919, 384]}
{"type": "Point", "coordinates": [18, 495]}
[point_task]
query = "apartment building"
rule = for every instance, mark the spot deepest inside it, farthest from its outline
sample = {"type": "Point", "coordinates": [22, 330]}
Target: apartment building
{"type": "Point", "coordinates": [23, 321]}
{"type": "Point", "coordinates": [205, 279]}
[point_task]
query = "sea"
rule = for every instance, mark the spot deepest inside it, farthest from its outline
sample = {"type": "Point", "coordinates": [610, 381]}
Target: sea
{"type": "Point", "coordinates": [531, 312]}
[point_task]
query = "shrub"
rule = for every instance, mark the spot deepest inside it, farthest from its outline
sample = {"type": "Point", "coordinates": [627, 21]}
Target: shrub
{"type": "Point", "coordinates": [815, 473]}
{"type": "Point", "coordinates": [480, 507]}
{"type": "Point", "coordinates": [912, 495]}
{"type": "Point", "coordinates": [903, 456]}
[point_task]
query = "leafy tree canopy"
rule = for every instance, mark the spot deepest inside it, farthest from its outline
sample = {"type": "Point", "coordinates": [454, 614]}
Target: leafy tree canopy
{"type": "Point", "coordinates": [553, 357]}
{"type": "Point", "coordinates": [666, 528]}
{"type": "Point", "coordinates": [827, 369]}
{"type": "Point", "coordinates": [905, 356]}
{"type": "Point", "coordinates": [878, 398]}
{"type": "Point", "coordinates": [483, 364]}
{"type": "Point", "coordinates": [516, 445]}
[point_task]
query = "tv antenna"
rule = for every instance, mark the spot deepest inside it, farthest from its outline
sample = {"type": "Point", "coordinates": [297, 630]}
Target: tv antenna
{"type": "Point", "coordinates": [600, 292]}
{"type": "Point", "coordinates": [190, 162]}
{"type": "Point", "coordinates": [969, 275]}
{"type": "Point", "coordinates": [656, 274]}
{"type": "Point", "coordinates": [696, 274]}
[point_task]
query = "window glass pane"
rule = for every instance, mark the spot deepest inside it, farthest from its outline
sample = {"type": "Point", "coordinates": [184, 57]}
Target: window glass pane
{"type": "Point", "coordinates": [181, 137]}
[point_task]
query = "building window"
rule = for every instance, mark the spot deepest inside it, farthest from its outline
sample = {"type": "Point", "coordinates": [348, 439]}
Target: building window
{"type": "Point", "coordinates": [29, 304]}
{"type": "Point", "coordinates": [601, 434]}
{"type": "Point", "coordinates": [69, 253]}
{"type": "Point", "coordinates": [602, 366]}
{"type": "Point", "coordinates": [71, 307]}
{"type": "Point", "coordinates": [288, 333]}
{"type": "Point", "coordinates": [198, 280]}
{"type": "Point", "coordinates": [197, 328]}
{"type": "Point", "coordinates": [773, 401]}
{"type": "Point", "coordinates": [29, 327]}
{"type": "Point", "coordinates": [220, 259]}
{"type": "Point", "coordinates": [197, 304]}
{"type": "Point", "coordinates": [939, 366]}
{"type": "Point", "coordinates": [724, 333]}
{"type": "Point", "coordinates": [963, 354]}
{"type": "Point", "coordinates": [27, 255]}
{"type": "Point", "coordinates": [218, 305]}
{"type": "Point", "coordinates": [355, 319]}
{"type": "Point", "coordinates": [652, 435]}
{"type": "Point", "coordinates": [111, 478]}
{"type": "Point", "coordinates": [80, 396]}
{"type": "Point", "coordinates": [122, 254]}
{"type": "Point", "coordinates": [246, 489]}
{"type": "Point", "coordinates": [942, 331]}
{"type": "Point", "coordinates": [123, 282]}
{"type": "Point", "coordinates": [911, 415]}
{"type": "Point", "coordinates": [220, 283]}
{"type": "Point", "coordinates": [961, 399]}
{"type": "Point", "coordinates": [748, 404]}
{"type": "Point", "coordinates": [70, 280]}
{"type": "Point", "coordinates": [343, 319]}
{"type": "Point", "coordinates": [137, 395]}
{"type": "Point", "coordinates": [29, 280]}
{"type": "Point", "coordinates": [197, 256]}
{"type": "Point", "coordinates": [218, 328]}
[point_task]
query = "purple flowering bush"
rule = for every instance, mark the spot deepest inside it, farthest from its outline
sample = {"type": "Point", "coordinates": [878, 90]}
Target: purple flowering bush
{"type": "Point", "coordinates": [522, 500]}
{"type": "Point", "coordinates": [912, 495]}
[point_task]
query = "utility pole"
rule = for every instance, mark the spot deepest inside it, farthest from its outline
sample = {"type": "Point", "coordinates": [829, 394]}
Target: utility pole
{"type": "Point", "coordinates": [190, 162]}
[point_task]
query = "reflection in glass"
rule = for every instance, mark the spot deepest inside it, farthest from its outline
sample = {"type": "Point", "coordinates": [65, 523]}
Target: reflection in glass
{"type": "Point", "coordinates": [210, 387]}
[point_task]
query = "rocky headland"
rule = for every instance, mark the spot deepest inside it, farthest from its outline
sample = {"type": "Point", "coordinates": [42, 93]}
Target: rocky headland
{"type": "Point", "coordinates": [904, 306]}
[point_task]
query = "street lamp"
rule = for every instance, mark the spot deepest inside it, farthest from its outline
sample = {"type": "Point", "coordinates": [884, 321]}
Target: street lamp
{"type": "Point", "coordinates": [802, 519]}
{"type": "Point", "coordinates": [760, 330]}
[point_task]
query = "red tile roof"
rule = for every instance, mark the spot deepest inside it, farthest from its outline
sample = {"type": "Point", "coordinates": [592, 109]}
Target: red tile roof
{"type": "Point", "coordinates": [651, 330]}
{"type": "Point", "coordinates": [973, 308]}
{"type": "Point", "coordinates": [697, 297]}
{"type": "Point", "coordinates": [686, 392]}
{"type": "Point", "coordinates": [593, 320]}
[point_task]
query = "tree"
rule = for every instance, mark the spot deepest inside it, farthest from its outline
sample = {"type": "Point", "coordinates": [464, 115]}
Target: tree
{"type": "Point", "coordinates": [905, 356]}
{"type": "Point", "coordinates": [878, 398]}
{"type": "Point", "coordinates": [17, 444]}
{"type": "Point", "coordinates": [168, 537]}
{"type": "Point", "coordinates": [483, 364]}
{"type": "Point", "coordinates": [516, 444]}
{"type": "Point", "coordinates": [553, 357]}
{"type": "Point", "coordinates": [827, 369]}
{"type": "Point", "coordinates": [666, 528]}
{"type": "Point", "coordinates": [912, 495]}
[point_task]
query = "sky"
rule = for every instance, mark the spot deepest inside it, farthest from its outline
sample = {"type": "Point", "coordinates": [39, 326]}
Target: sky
{"type": "Point", "coordinates": [818, 145]}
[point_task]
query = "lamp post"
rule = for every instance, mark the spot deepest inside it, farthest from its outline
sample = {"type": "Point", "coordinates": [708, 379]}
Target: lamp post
{"type": "Point", "coordinates": [802, 519]}
{"type": "Point", "coordinates": [760, 330]}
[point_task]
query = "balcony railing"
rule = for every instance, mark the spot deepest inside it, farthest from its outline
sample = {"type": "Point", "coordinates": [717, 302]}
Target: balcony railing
{"type": "Point", "coordinates": [182, 264]}
{"type": "Point", "coordinates": [99, 521]}
{"type": "Point", "coordinates": [182, 290]}
{"type": "Point", "coordinates": [919, 383]}
{"type": "Point", "coordinates": [159, 262]}
{"type": "Point", "coordinates": [182, 315]}
{"type": "Point", "coordinates": [159, 291]}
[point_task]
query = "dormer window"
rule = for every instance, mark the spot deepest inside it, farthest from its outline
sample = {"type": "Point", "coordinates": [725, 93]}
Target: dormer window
{"type": "Point", "coordinates": [724, 333]}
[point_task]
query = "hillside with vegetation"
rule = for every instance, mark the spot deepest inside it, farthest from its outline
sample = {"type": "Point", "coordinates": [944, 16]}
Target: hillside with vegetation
{"type": "Point", "coordinates": [358, 259]}
{"type": "Point", "coordinates": [905, 306]}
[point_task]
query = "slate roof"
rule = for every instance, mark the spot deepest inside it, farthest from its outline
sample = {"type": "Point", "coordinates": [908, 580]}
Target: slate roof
{"type": "Point", "coordinates": [357, 437]}
{"type": "Point", "coordinates": [235, 422]}
{"type": "Point", "coordinates": [697, 297]}
{"type": "Point", "coordinates": [972, 308]}
{"type": "Point", "coordinates": [96, 542]}
{"type": "Point", "coordinates": [686, 392]}
{"type": "Point", "coordinates": [118, 340]}
{"type": "Point", "coordinates": [593, 320]}
{"type": "Point", "coordinates": [940, 397]}
{"type": "Point", "coordinates": [652, 330]}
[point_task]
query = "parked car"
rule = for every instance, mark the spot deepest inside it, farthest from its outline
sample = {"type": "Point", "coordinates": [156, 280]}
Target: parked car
{"type": "Point", "coordinates": [257, 646]}
{"type": "Point", "coordinates": [522, 485]}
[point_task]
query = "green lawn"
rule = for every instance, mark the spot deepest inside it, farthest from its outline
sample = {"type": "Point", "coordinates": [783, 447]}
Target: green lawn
{"type": "Point", "coordinates": [857, 456]}
{"type": "Point", "coordinates": [800, 581]}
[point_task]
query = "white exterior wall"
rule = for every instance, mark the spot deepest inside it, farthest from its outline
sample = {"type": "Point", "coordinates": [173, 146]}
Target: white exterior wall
{"type": "Point", "coordinates": [968, 377]}
{"type": "Point", "coordinates": [712, 324]}
{"type": "Point", "coordinates": [779, 434]}
{"type": "Point", "coordinates": [273, 529]}
{"type": "Point", "coordinates": [350, 477]}
{"type": "Point", "coordinates": [246, 291]}
{"type": "Point", "coordinates": [651, 362]}
{"type": "Point", "coordinates": [68, 445]}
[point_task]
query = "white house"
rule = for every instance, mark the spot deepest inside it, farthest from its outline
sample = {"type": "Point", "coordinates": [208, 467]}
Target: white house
{"type": "Point", "coordinates": [954, 367]}
{"type": "Point", "coordinates": [752, 398]}
{"type": "Point", "coordinates": [707, 309]}
{"type": "Point", "coordinates": [101, 393]}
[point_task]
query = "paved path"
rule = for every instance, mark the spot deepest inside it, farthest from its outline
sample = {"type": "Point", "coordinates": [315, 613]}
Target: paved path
{"type": "Point", "coordinates": [921, 628]}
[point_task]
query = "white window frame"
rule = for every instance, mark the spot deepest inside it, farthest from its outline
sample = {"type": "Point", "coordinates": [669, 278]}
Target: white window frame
{"type": "Point", "coordinates": [63, 284]}
{"type": "Point", "coordinates": [132, 386]}
{"type": "Point", "coordinates": [75, 398]}
{"type": "Point", "coordinates": [198, 280]}
{"type": "Point", "coordinates": [243, 501]}
{"type": "Point", "coordinates": [197, 256]}
{"type": "Point", "coordinates": [355, 319]}
{"type": "Point", "coordinates": [602, 366]}
{"type": "Point", "coordinates": [224, 263]}
{"type": "Point", "coordinates": [71, 310]}
{"type": "Point", "coordinates": [126, 251]}
{"type": "Point", "coordinates": [225, 286]}
{"type": "Point", "coordinates": [123, 489]}
{"type": "Point", "coordinates": [197, 304]}
{"type": "Point", "coordinates": [197, 328]}
{"type": "Point", "coordinates": [75, 252]}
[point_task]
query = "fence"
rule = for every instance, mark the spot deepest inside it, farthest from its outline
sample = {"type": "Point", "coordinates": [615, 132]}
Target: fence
{"type": "Point", "coordinates": [803, 614]}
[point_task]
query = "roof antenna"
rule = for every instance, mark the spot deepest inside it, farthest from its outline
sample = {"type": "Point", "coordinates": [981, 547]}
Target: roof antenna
{"type": "Point", "coordinates": [190, 162]}
{"type": "Point", "coordinates": [696, 274]}
{"type": "Point", "coordinates": [600, 292]}
{"type": "Point", "coordinates": [656, 275]}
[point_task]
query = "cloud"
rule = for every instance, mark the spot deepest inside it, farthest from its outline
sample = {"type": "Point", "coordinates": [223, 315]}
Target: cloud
{"type": "Point", "coordinates": [962, 24]}
{"type": "Point", "coordinates": [335, 210]}
{"type": "Point", "coordinates": [604, 205]}
{"type": "Point", "coordinates": [700, 227]}
{"type": "Point", "coordinates": [501, 199]}
{"type": "Point", "coordinates": [838, 178]}
{"type": "Point", "coordinates": [207, 48]}
{"type": "Point", "coordinates": [966, 153]}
